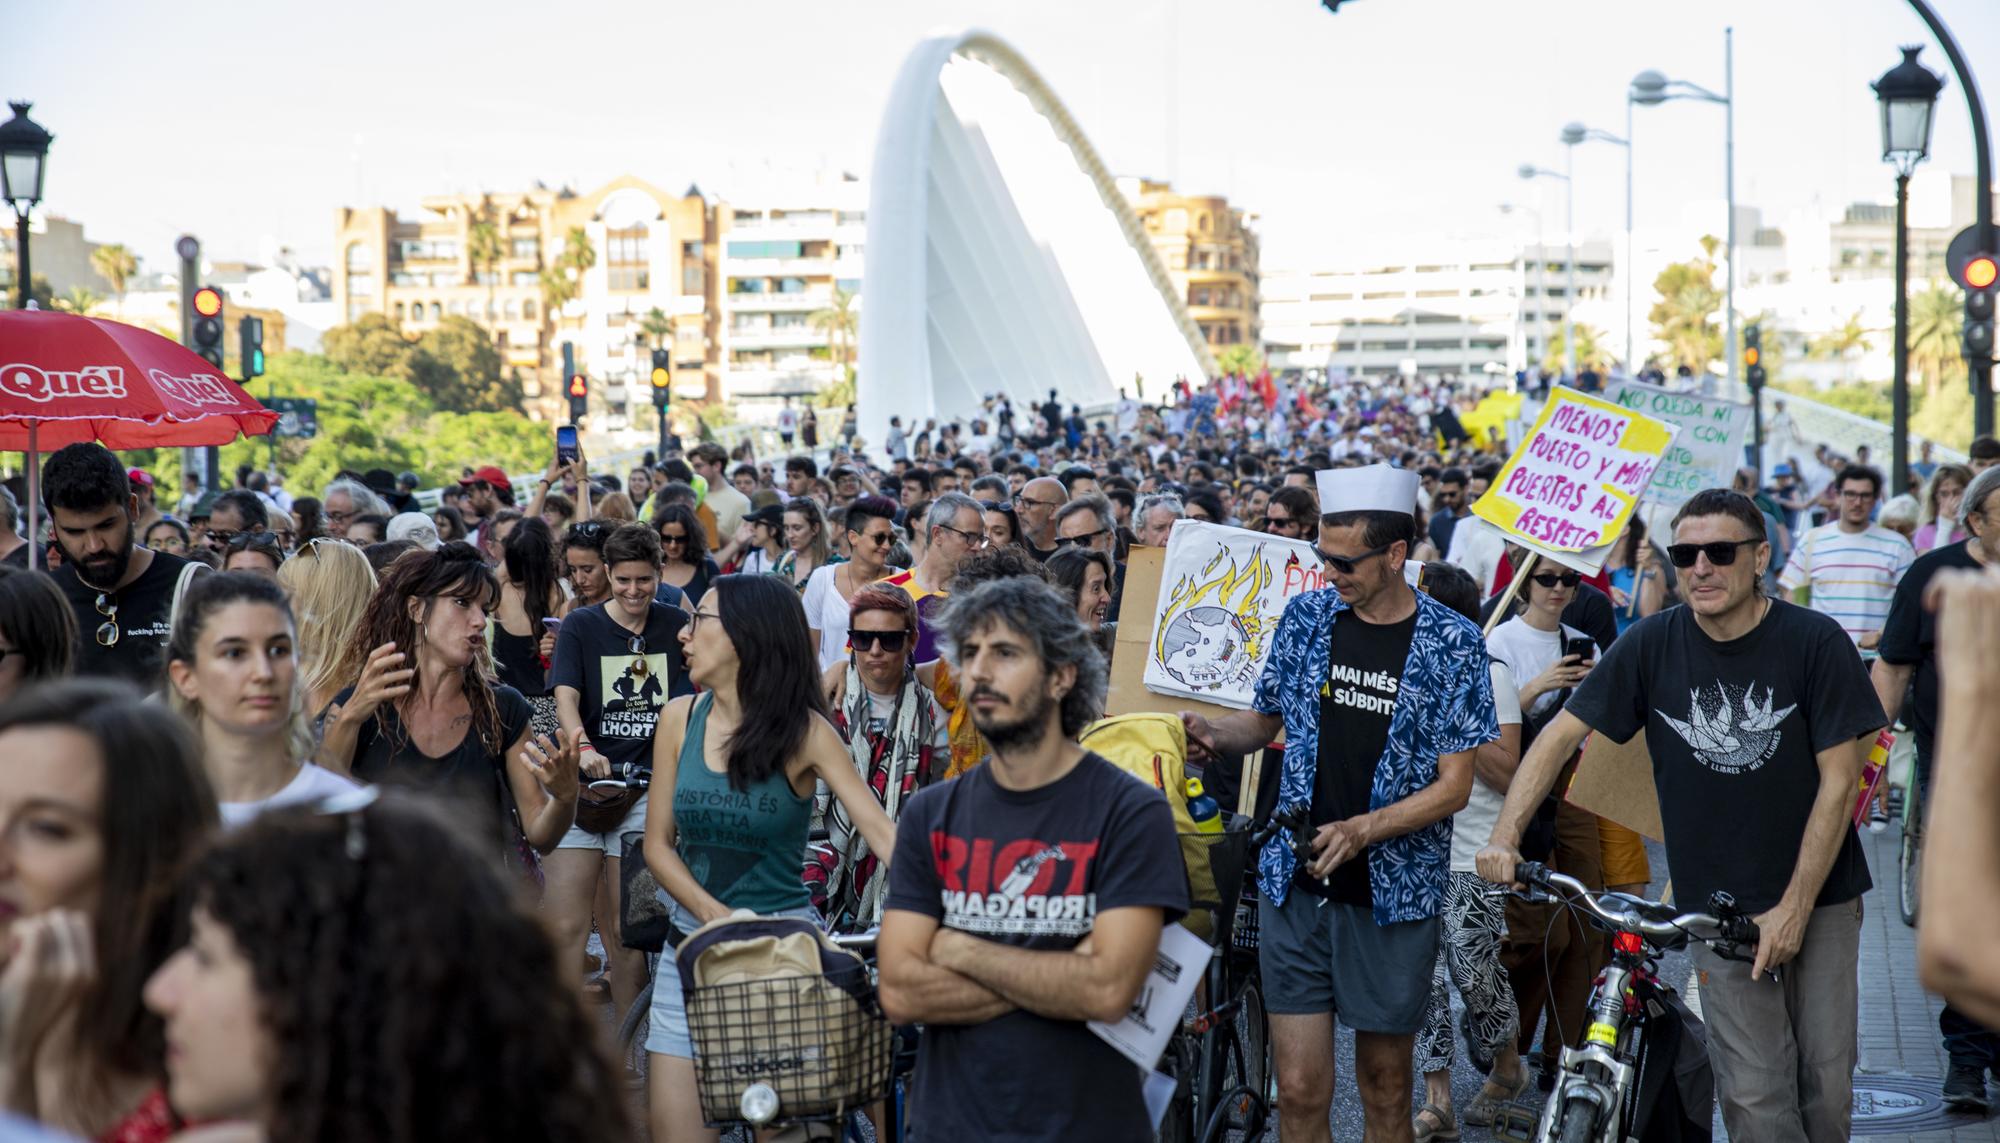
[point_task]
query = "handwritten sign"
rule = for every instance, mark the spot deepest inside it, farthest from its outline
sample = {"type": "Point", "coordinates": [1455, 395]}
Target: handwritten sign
{"type": "Point", "coordinates": [1707, 450]}
{"type": "Point", "coordinates": [1571, 486]}
{"type": "Point", "coordinates": [1222, 591]}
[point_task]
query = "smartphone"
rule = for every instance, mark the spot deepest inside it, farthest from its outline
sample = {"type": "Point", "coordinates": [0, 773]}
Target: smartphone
{"type": "Point", "coordinates": [552, 624]}
{"type": "Point", "coordinates": [565, 444]}
{"type": "Point", "coordinates": [1585, 649]}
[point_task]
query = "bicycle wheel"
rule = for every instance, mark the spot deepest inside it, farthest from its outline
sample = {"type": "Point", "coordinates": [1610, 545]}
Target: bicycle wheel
{"type": "Point", "coordinates": [1579, 1123]}
{"type": "Point", "coordinates": [1909, 856]}
{"type": "Point", "coordinates": [632, 1032]}
{"type": "Point", "coordinates": [1253, 1040]}
{"type": "Point", "coordinates": [1178, 1061]}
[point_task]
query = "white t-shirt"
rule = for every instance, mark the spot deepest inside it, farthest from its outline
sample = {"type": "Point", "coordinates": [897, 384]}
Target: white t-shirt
{"type": "Point", "coordinates": [1471, 826]}
{"type": "Point", "coordinates": [828, 613]}
{"type": "Point", "coordinates": [1478, 547]}
{"type": "Point", "coordinates": [311, 784]}
{"type": "Point", "coordinates": [1528, 652]}
{"type": "Point", "coordinates": [758, 562]}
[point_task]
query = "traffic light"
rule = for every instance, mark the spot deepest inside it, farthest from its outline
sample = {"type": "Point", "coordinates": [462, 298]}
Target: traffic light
{"type": "Point", "coordinates": [579, 397]}
{"type": "Point", "coordinates": [1980, 274]}
{"type": "Point", "coordinates": [662, 377]}
{"type": "Point", "coordinates": [1753, 355]}
{"type": "Point", "coordinates": [208, 325]}
{"type": "Point", "coordinates": [250, 346]}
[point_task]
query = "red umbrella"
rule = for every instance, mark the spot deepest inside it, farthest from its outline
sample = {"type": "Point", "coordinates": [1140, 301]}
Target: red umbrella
{"type": "Point", "coordinates": [66, 378]}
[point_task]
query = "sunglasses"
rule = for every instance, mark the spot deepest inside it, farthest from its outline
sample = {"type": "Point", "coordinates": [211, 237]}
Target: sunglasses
{"type": "Point", "coordinates": [890, 641]}
{"type": "Point", "coordinates": [1066, 541]}
{"type": "Point", "coordinates": [1548, 580]}
{"type": "Point", "coordinates": [1721, 553]}
{"type": "Point", "coordinates": [667, 539]}
{"type": "Point", "coordinates": [1345, 565]}
{"type": "Point", "coordinates": [107, 631]}
{"type": "Point", "coordinates": [1279, 522]}
{"type": "Point", "coordinates": [243, 541]}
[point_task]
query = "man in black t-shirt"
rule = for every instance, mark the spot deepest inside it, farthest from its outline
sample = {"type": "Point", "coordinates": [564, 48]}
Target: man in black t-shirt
{"type": "Point", "coordinates": [1908, 651]}
{"type": "Point", "coordinates": [122, 594]}
{"type": "Point", "coordinates": [1752, 709]}
{"type": "Point", "coordinates": [1028, 895]}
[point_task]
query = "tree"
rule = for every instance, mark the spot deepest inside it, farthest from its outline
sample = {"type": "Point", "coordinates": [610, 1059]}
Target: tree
{"type": "Point", "coordinates": [458, 368]}
{"type": "Point", "coordinates": [657, 326]}
{"type": "Point", "coordinates": [578, 254]}
{"type": "Point", "coordinates": [116, 266]}
{"type": "Point", "coordinates": [40, 292]}
{"type": "Point", "coordinates": [1684, 317]}
{"type": "Point", "coordinates": [1937, 328]}
{"type": "Point", "coordinates": [484, 248]}
{"type": "Point", "coordinates": [557, 290]}
{"type": "Point", "coordinates": [1590, 351]}
{"type": "Point", "coordinates": [371, 344]}
{"type": "Point", "coordinates": [1841, 344]}
{"type": "Point", "coordinates": [1240, 359]}
{"type": "Point", "coordinates": [839, 321]}
{"type": "Point", "coordinates": [80, 300]}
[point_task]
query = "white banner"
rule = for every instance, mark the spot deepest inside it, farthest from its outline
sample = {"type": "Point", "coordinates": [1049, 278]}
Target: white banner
{"type": "Point", "coordinates": [1706, 451]}
{"type": "Point", "coordinates": [1222, 591]}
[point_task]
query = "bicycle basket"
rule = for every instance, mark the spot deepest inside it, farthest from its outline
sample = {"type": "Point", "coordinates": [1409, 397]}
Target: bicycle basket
{"type": "Point", "coordinates": [1215, 864]}
{"type": "Point", "coordinates": [642, 916]}
{"type": "Point", "coordinates": [820, 1041]}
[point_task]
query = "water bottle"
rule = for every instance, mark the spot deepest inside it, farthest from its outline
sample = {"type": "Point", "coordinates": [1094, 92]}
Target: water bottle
{"type": "Point", "coordinates": [1205, 811]}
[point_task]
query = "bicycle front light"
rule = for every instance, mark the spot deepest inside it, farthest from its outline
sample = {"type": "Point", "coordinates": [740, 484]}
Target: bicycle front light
{"type": "Point", "coordinates": [759, 1104]}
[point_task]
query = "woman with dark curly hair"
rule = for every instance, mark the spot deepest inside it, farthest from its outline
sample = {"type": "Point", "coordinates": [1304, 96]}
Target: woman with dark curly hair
{"type": "Point", "coordinates": [685, 565]}
{"type": "Point", "coordinates": [358, 972]}
{"type": "Point", "coordinates": [37, 631]}
{"type": "Point", "coordinates": [427, 711]}
{"type": "Point", "coordinates": [734, 773]}
{"type": "Point", "coordinates": [102, 798]}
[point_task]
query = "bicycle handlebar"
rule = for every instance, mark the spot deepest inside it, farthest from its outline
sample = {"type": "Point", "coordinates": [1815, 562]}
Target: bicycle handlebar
{"type": "Point", "coordinates": [1727, 930]}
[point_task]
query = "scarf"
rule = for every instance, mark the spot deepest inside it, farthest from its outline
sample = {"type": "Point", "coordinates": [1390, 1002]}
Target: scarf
{"type": "Point", "coordinates": [894, 763]}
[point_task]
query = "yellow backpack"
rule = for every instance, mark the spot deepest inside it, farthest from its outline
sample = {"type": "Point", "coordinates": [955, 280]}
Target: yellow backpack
{"type": "Point", "coordinates": [1152, 747]}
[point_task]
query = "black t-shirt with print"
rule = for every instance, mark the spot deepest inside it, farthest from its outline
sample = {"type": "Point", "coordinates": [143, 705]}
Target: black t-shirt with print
{"type": "Point", "coordinates": [145, 608]}
{"type": "Point", "coordinates": [1364, 671]}
{"type": "Point", "coordinates": [470, 776]}
{"type": "Point", "coordinates": [1032, 869]}
{"type": "Point", "coordinates": [1909, 637]}
{"type": "Point", "coordinates": [1734, 730]}
{"type": "Point", "coordinates": [620, 692]}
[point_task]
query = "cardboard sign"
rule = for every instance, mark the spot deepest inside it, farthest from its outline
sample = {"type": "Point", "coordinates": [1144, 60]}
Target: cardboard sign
{"type": "Point", "coordinates": [1706, 451]}
{"type": "Point", "coordinates": [1222, 591]}
{"type": "Point", "coordinates": [1570, 489]}
{"type": "Point", "coordinates": [1615, 780]}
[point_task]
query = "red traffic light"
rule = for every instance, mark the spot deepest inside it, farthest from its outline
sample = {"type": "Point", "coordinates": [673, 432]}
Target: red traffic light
{"type": "Point", "coordinates": [579, 386]}
{"type": "Point", "coordinates": [208, 301]}
{"type": "Point", "coordinates": [1981, 271]}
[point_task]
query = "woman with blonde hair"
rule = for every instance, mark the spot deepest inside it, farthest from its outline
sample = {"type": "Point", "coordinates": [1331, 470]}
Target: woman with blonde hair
{"type": "Point", "coordinates": [615, 508]}
{"type": "Point", "coordinates": [1938, 525]}
{"type": "Point", "coordinates": [329, 583]}
{"type": "Point", "coordinates": [808, 546]}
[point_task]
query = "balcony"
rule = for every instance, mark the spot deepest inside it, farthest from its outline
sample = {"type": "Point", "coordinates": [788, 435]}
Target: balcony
{"type": "Point", "coordinates": [804, 337]}
{"type": "Point", "coordinates": [774, 303]}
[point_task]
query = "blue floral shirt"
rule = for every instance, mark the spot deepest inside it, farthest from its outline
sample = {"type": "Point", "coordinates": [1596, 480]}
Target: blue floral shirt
{"type": "Point", "coordinates": [1444, 705]}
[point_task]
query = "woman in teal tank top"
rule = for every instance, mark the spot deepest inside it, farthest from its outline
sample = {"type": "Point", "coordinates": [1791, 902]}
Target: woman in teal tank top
{"type": "Point", "coordinates": [734, 772]}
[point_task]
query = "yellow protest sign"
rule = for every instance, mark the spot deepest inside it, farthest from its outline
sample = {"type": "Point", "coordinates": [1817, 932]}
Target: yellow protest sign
{"type": "Point", "coordinates": [1571, 486]}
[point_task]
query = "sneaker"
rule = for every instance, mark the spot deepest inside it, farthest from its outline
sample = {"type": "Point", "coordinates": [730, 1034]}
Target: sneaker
{"type": "Point", "coordinates": [1965, 1089]}
{"type": "Point", "coordinates": [1877, 819]}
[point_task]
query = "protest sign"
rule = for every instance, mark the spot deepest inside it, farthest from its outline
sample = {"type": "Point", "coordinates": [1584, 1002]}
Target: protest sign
{"type": "Point", "coordinates": [1706, 452]}
{"type": "Point", "coordinates": [1221, 592]}
{"type": "Point", "coordinates": [1570, 488]}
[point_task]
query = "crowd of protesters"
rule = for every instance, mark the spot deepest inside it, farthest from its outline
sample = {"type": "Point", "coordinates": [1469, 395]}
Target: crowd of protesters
{"type": "Point", "coordinates": [310, 806]}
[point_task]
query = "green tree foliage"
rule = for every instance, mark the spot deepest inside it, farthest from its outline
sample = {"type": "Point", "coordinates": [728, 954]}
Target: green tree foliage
{"type": "Point", "coordinates": [80, 300]}
{"type": "Point", "coordinates": [116, 265]}
{"type": "Point", "coordinates": [370, 343]}
{"type": "Point", "coordinates": [457, 366]}
{"type": "Point", "coordinates": [1243, 359]}
{"type": "Point", "coordinates": [1937, 330]}
{"type": "Point", "coordinates": [1590, 351]}
{"type": "Point", "coordinates": [1841, 344]}
{"type": "Point", "coordinates": [1684, 317]}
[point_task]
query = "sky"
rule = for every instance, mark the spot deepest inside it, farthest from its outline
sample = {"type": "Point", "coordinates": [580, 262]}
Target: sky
{"type": "Point", "coordinates": [249, 123]}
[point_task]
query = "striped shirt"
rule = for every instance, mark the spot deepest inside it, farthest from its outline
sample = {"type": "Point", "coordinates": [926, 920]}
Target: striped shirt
{"type": "Point", "coordinates": [1853, 575]}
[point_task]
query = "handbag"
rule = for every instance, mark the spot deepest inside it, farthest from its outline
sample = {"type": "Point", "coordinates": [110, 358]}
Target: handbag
{"type": "Point", "coordinates": [608, 814]}
{"type": "Point", "coordinates": [644, 921]}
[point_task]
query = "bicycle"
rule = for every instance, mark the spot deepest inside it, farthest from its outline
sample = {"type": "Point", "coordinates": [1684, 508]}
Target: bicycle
{"type": "Point", "coordinates": [1600, 1093]}
{"type": "Point", "coordinates": [1910, 851]}
{"type": "Point", "coordinates": [1220, 1057]}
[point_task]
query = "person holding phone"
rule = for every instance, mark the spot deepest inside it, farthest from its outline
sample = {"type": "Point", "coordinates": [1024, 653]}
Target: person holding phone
{"type": "Point", "coordinates": [1549, 658]}
{"type": "Point", "coordinates": [523, 636]}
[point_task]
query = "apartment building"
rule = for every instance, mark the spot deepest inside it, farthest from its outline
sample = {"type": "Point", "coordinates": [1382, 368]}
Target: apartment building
{"type": "Point", "coordinates": [789, 252]}
{"type": "Point", "coordinates": [1210, 252]}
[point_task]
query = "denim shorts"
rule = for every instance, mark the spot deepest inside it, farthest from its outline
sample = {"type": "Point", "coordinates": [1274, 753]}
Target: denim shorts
{"type": "Point", "coordinates": [667, 1034]}
{"type": "Point", "coordinates": [1320, 956]}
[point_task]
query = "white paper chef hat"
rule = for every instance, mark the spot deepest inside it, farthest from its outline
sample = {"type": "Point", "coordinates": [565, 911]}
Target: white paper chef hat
{"type": "Point", "coordinates": [1376, 488]}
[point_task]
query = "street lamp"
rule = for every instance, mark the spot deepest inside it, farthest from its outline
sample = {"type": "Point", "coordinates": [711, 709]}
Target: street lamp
{"type": "Point", "coordinates": [1534, 364]}
{"type": "Point", "coordinates": [1574, 133]}
{"type": "Point", "coordinates": [1531, 171]}
{"type": "Point", "coordinates": [1908, 93]}
{"type": "Point", "coordinates": [24, 153]}
{"type": "Point", "coordinates": [1650, 89]}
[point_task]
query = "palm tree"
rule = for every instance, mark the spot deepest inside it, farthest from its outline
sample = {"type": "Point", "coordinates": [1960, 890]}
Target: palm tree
{"type": "Point", "coordinates": [1684, 317]}
{"type": "Point", "coordinates": [1841, 344]}
{"type": "Point", "coordinates": [80, 300]}
{"type": "Point", "coordinates": [116, 265]}
{"type": "Point", "coordinates": [578, 254]}
{"type": "Point", "coordinates": [657, 325]}
{"type": "Point", "coordinates": [484, 249]}
{"type": "Point", "coordinates": [1590, 351]}
{"type": "Point", "coordinates": [838, 320]}
{"type": "Point", "coordinates": [557, 290]}
{"type": "Point", "coordinates": [1937, 325]}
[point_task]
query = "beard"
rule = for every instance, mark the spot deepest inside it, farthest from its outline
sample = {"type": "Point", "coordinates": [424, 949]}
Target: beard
{"type": "Point", "coordinates": [1004, 734]}
{"type": "Point", "coordinates": [102, 571]}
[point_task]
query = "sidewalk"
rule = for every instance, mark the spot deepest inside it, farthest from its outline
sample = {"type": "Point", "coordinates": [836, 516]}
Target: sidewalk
{"type": "Point", "coordinates": [1902, 1057]}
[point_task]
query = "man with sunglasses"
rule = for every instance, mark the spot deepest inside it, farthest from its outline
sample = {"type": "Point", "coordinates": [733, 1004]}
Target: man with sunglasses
{"type": "Point", "coordinates": [1910, 655]}
{"type": "Point", "coordinates": [1753, 710]}
{"type": "Point", "coordinates": [1383, 695]}
{"type": "Point", "coordinates": [1087, 521]}
{"type": "Point", "coordinates": [235, 511]}
{"type": "Point", "coordinates": [122, 594]}
{"type": "Point", "coordinates": [956, 528]}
